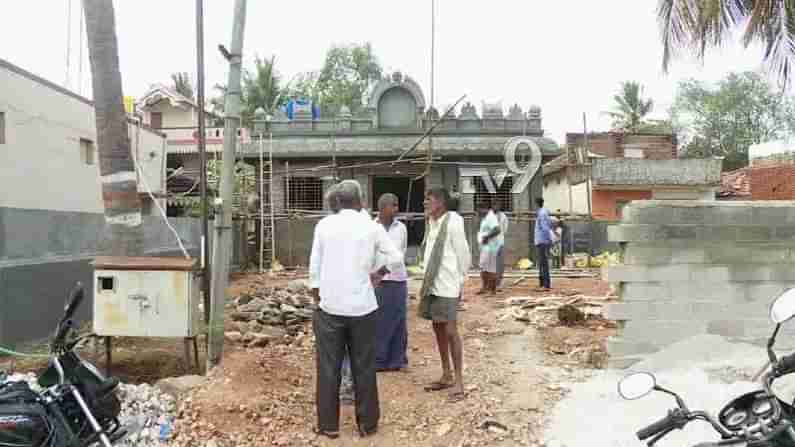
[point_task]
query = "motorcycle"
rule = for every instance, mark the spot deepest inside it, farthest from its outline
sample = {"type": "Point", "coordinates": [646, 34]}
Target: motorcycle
{"type": "Point", "coordinates": [78, 406]}
{"type": "Point", "coordinates": [755, 419]}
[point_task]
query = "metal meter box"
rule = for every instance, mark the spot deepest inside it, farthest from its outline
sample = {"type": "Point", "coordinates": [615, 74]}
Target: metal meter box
{"type": "Point", "coordinates": [146, 297]}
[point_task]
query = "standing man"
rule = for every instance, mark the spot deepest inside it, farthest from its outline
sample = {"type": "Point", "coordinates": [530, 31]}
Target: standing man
{"type": "Point", "coordinates": [543, 241]}
{"type": "Point", "coordinates": [502, 218]}
{"type": "Point", "coordinates": [347, 396]}
{"type": "Point", "coordinates": [341, 268]}
{"type": "Point", "coordinates": [489, 246]}
{"type": "Point", "coordinates": [392, 294]}
{"type": "Point", "coordinates": [446, 257]}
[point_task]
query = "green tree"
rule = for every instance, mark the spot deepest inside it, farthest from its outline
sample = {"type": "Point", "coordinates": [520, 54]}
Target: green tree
{"type": "Point", "coordinates": [693, 26]}
{"type": "Point", "coordinates": [726, 119]}
{"type": "Point", "coordinates": [630, 108]}
{"type": "Point", "coordinates": [181, 83]}
{"type": "Point", "coordinates": [261, 88]}
{"type": "Point", "coordinates": [348, 72]}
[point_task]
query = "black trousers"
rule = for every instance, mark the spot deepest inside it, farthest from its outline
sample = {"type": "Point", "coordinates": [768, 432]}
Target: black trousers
{"type": "Point", "coordinates": [543, 265]}
{"type": "Point", "coordinates": [333, 334]}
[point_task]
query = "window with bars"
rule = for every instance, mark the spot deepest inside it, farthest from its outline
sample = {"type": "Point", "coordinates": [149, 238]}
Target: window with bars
{"type": "Point", "coordinates": [503, 193]}
{"type": "Point", "coordinates": [303, 193]}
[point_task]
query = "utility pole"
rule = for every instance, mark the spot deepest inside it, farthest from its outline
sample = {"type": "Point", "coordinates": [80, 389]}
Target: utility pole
{"type": "Point", "coordinates": [587, 158]}
{"type": "Point", "coordinates": [222, 243]}
{"type": "Point", "coordinates": [205, 248]}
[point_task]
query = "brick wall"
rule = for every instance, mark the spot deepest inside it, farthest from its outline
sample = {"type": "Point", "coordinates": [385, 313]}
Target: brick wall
{"type": "Point", "coordinates": [603, 204]}
{"type": "Point", "coordinates": [615, 144]}
{"type": "Point", "coordinates": [695, 268]}
{"type": "Point", "coordinates": [773, 183]}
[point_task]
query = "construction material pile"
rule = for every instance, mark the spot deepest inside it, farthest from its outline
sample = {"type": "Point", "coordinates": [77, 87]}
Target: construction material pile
{"type": "Point", "coordinates": [146, 413]}
{"type": "Point", "coordinates": [264, 315]}
{"type": "Point", "coordinates": [567, 309]}
{"type": "Point", "coordinates": [603, 260]}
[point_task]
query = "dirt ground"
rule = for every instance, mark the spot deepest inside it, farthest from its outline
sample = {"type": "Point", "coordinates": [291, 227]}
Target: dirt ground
{"type": "Point", "coordinates": [265, 396]}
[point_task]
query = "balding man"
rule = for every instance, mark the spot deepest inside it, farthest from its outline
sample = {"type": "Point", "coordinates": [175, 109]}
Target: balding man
{"type": "Point", "coordinates": [342, 268]}
{"type": "Point", "coordinates": [392, 294]}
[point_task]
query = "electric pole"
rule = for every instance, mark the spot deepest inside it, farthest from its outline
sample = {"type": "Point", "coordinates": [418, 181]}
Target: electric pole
{"type": "Point", "coordinates": [222, 243]}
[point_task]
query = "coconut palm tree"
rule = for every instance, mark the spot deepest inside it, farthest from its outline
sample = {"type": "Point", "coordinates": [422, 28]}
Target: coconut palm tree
{"type": "Point", "coordinates": [695, 25]}
{"type": "Point", "coordinates": [261, 88]}
{"type": "Point", "coordinates": [116, 166]}
{"type": "Point", "coordinates": [630, 108]}
{"type": "Point", "coordinates": [181, 83]}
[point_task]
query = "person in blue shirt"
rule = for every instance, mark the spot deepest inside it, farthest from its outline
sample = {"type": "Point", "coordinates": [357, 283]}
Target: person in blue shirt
{"type": "Point", "coordinates": [543, 240]}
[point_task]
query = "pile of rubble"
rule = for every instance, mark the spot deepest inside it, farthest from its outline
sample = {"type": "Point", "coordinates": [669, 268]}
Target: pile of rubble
{"type": "Point", "coordinates": [146, 412]}
{"type": "Point", "coordinates": [567, 323]}
{"type": "Point", "coordinates": [264, 315]}
{"type": "Point", "coordinates": [567, 309]}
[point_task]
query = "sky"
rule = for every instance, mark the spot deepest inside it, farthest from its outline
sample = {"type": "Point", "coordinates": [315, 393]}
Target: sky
{"type": "Point", "coordinates": [566, 56]}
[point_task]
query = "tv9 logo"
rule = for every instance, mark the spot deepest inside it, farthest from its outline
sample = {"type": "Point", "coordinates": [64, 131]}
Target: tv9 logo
{"type": "Point", "coordinates": [522, 159]}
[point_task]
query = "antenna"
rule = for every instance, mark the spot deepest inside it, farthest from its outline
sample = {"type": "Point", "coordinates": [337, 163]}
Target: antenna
{"type": "Point", "coordinates": [433, 46]}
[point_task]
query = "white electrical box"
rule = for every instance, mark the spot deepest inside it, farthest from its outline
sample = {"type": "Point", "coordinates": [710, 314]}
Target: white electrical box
{"type": "Point", "coordinates": [146, 297]}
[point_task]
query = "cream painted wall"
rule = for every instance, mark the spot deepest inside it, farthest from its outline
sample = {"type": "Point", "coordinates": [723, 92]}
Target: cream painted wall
{"type": "Point", "coordinates": [41, 165]}
{"type": "Point", "coordinates": [172, 116]}
{"type": "Point", "coordinates": [556, 195]}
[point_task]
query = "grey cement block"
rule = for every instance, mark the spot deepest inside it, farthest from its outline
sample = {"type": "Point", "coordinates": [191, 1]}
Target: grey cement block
{"type": "Point", "coordinates": [695, 216]}
{"type": "Point", "coordinates": [672, 232]}
{"type": "Point", "coordinates": [721, 291]}
{"type": "Point", "coordinates": [718, 233]}
{"type": "Point", "coordinates": [631, 233]}
{"type": "Point", "coordinates": [689, 255]}
{"type": "Point", "coordinates": [721, 215]}
{"type": "Point", "coordinates": [774, 216]}
{"type": "Point", "coordinates": [681, 310]}
{"type": "Point", "coordinates": [763, 292]}
{"type": "Point", "coordinates": [645, 291]}
{"type": "Point", "coordinates": [647, 254]}
{"type": "Point", "coordinates": [649, 216]}
{"type": "Point", "coordinates": [771, 255]}
{"type": "Point", "coordinates": [661, 333]}
{"type": "Point", "coordinates": [754, 233]}
{"type": "Point", "coordinates": [727, 253]}
{"type": "Point", "coordinates": [784, 233]}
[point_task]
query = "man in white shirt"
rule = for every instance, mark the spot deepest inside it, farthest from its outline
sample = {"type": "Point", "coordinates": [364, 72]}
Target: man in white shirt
{"type": "Point", "coordinates": [446, 257]}
{"type": "Point", "coordinates": [392, 294]}
{"type": "Point", "coordinates": [503, 219]}
{"type": "Point", "coordinates": [341, 269]}
{"type": "Point", "coordinates": [488, 238]}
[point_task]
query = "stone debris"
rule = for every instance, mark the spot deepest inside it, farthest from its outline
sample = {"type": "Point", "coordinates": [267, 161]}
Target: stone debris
{"type": "Point", "coordinates": [265, 315]}
{"type": "Point", "coordinates": [147, 412]}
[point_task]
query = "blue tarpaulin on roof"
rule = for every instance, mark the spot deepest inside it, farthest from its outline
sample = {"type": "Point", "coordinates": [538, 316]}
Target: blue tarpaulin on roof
{"type": "Point", "coordinates": [291, 106]}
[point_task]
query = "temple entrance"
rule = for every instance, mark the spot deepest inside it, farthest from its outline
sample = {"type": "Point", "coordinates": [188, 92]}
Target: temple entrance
{"type": "Point", "coordinates": [410, 201]}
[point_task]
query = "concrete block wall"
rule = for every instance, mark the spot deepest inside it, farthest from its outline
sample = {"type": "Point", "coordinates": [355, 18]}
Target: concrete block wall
{"type": "Point", "coordinates": [694, 268]}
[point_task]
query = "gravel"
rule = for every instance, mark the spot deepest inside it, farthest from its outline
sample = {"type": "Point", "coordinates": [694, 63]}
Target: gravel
{"type": "Point", "coordinates": [147, 412]}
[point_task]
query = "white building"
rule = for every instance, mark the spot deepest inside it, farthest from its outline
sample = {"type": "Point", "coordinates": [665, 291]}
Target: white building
{"type": "Point", "coordinates": [48, 153]}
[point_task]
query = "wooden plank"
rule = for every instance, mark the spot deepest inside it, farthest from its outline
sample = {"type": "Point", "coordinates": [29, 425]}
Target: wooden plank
{"type": "Point", "coordinates": [144, 263]}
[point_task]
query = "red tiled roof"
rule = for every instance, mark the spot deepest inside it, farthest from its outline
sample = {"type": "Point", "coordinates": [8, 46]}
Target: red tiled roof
{"type": "Point", "coordinates": [735, 184]}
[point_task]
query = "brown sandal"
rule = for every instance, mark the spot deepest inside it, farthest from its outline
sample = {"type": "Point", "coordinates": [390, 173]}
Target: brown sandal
{"type": "Point", "coordinates": [438, 386]}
